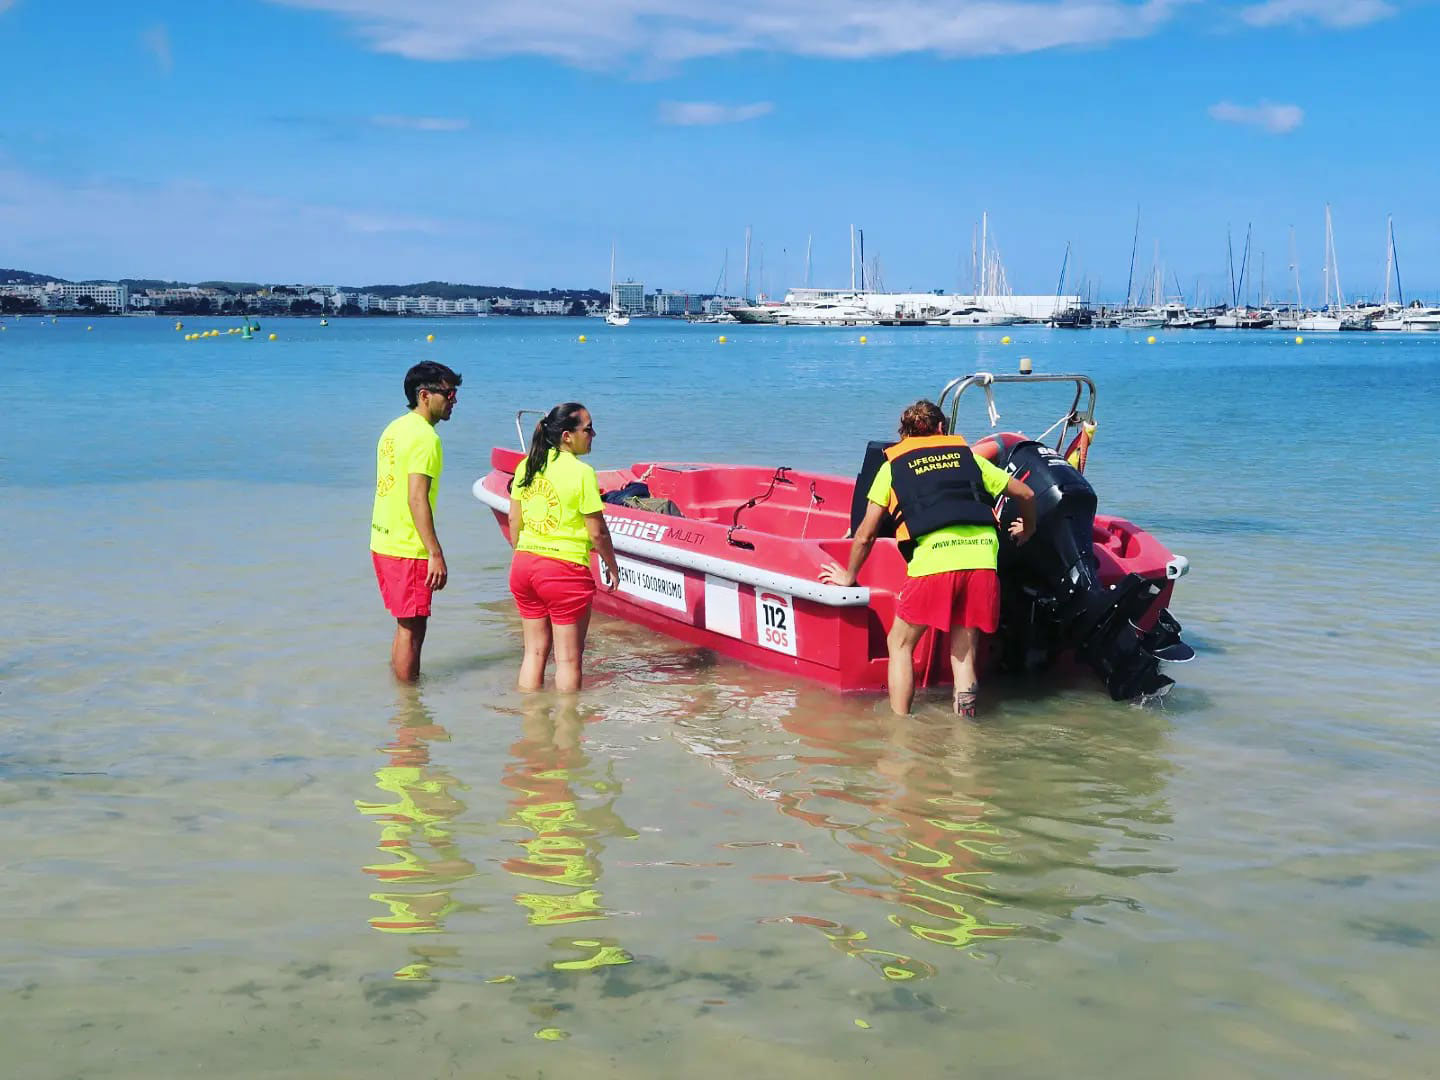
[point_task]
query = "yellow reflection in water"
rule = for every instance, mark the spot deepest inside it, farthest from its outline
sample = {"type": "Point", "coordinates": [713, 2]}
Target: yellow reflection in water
{"type": "Point", "coordinates": [896, 790]}
{"type": "Point", "coordinates": [415, 838]}
{"type": "Point", "coordinates": [565, 832]}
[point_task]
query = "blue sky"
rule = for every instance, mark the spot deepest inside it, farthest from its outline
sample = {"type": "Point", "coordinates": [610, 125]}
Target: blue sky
{"type": "Point", "coordinates": [501, 142]}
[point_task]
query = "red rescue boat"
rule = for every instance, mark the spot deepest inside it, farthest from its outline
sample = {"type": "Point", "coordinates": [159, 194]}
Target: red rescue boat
{"type": "Point", "coordinates": [737, 569]}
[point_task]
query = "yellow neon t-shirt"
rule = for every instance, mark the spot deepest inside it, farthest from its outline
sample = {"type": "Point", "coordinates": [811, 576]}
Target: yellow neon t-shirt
{"type": "Point", "coordinates": [553, 508]}
{"type": "Point", "coordinates": [407, 445]}
{"type": "Point", "coordinates": [955, 547]}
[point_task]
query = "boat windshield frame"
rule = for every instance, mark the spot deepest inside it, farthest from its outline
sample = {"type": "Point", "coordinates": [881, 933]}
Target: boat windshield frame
{"type": "Point", "coordinates": [1068, 422]}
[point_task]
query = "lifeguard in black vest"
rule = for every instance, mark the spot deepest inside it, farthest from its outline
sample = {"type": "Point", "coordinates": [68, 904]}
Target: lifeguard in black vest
{"type": "Point", "coordinates": [942, 497]}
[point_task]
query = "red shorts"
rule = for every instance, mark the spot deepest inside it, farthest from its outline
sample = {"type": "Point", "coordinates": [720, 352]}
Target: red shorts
{"type": "Point", "coordinates": [553, 589]}
{"type": "Point", "coordinates": [952, 598]}
{"type": "Point", "coordinates": [402, 585]}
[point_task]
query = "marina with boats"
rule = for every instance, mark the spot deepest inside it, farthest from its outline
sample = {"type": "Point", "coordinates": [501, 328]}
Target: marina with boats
{"type": "Point", "coordinates": [992, 303]}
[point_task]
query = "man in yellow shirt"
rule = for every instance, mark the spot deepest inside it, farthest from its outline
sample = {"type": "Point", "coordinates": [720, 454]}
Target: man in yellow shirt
{"type": "Point", "coordinates": [941, 496]}
{"type": "Point", "coordinates": [409, 562]}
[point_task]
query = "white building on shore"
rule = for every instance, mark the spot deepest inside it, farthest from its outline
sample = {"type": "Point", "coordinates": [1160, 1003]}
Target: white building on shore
{"type": "Point", "coordinates": [628, 296]}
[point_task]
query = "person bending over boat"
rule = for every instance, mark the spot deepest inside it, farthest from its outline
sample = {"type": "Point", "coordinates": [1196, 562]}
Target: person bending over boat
{"type": "Point", "coordinates": [941, 496]}
{"type": "Point", "coordinates": [556, 518]}
{"type": "Point", "coordinates": [409, 563]}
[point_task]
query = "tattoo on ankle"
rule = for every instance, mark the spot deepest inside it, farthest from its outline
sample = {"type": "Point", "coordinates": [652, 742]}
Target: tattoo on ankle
{"type": "Point", "coordinates": [965, 701]}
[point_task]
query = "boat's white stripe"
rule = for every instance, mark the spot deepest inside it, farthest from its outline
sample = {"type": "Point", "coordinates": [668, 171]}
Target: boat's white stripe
{"type": "Point", "coordinates": [819, 592]}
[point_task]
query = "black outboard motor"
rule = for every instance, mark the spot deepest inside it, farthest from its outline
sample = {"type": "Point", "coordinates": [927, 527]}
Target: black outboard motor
{"type": "Point", "coordinates": [1051, 595]}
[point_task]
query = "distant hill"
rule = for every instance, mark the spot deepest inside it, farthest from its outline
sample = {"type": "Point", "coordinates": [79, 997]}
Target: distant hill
{"type": "Point", "coordinates": [443, 289]}
{"type": "Point", "coordinates": [447, 291]}
{"type": "Point", "coordinates": [26, 277]}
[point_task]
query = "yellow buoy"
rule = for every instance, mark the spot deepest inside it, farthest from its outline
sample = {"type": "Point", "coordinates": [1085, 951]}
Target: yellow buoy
{"type": "Point", "coordinates": [1150, 340]}
{"type": "Point", "coordinates": [89, 328]}
{"type": "Point", "coordinates": [863, 339]}
{"type": "Point", "coordinates": [582, 338]}
{"type": "Point", "coordinates": [1005, 340]}
{"type": "Point", "coordinates": [274, 337]}
{"type": "Point", "coordinates": [720, 339]}
{"type": "Point", "coordinates": [429, 337]}
{"type": "Point", "coordinates": [179, 326]}
{"type": "Point", "coordinates": [1299, 341]}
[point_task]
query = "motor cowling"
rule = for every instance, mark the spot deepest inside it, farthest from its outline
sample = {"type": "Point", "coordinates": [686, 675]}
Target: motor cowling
{"type": "Point", "coordinates": [1062, 551]}
{"type": "Point", "coordinates": [1052, 598]}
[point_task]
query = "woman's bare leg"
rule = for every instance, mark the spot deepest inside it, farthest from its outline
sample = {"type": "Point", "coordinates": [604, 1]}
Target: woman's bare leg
{"type": "Point", "coordinates": [569, 652]}
{"type": "Point", "coordinates": [537, 653]}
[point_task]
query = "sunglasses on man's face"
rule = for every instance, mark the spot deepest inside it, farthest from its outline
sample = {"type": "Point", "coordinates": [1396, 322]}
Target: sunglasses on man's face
{"type": "Point", "coordinates": [448, 394]}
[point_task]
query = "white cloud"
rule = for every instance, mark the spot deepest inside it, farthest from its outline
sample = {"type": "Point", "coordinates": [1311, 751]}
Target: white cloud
{"type": "Point", "coordinates": [421, 123]}
{"type": "Point", "coordinates": [1276, 119]}
{"type": "Point", "coordinates": [1341, 14]}
{"type": "Point", "coordinates": [616, 33]}
{"type": "Point", "coordinates": [157, 42]}
{"type": "Point", "coordinates": [689, 113]}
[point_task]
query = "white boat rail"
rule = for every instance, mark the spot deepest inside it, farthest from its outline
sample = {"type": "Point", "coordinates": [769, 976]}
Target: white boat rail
{"type": "Point", "coordinates": [803, 588]}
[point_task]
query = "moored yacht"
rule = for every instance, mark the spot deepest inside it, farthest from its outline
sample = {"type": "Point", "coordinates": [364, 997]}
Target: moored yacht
{"type": "Point", "coordinates": [970, 315]}
{"type": "Point", "coordinates": [1178, 317]}
{"type": "Point", "coordinates": [1143, 319]}
{"type": "Point", "coordinates": [1416, 317]}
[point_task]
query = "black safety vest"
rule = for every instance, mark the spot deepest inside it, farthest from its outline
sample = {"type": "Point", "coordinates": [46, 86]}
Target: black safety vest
{"type": "Point", "coordinates": [935, 483]}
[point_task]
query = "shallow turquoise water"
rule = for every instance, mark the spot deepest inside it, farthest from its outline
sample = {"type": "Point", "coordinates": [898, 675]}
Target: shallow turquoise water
{"type": "Point", "coordinates": [232, 846]}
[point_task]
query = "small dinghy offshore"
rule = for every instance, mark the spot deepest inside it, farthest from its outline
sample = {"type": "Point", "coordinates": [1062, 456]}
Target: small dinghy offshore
{"type": "Point", "coordinates": [733, 565]}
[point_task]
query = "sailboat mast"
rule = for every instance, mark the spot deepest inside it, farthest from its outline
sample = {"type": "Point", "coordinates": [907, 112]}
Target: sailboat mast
{"type": "Point", "coordinates": [809, 240]}
{"type": "Point", "coordinates": [862, 260]}
{"type": "Point", "coordinates": [1156, 289]}
{"type": "Point", "coordinates": [612, 274]}
{"type": "Point", "coordinates": [1130, 281]}
{"type": "Point", "coordinates": [1389, 254]}
{"type": "Point", "coordinates": [852, 258]}
{"type": "Point", "coordinates": [1395, 258]}
{"type": "Point", "coordinates": [1334, 259]}
{"type": "Point", "coordinates": [1230, 261]}
{"type": "Point", "coordinates": [974, 263]}
{"type": "Point", "coordinates": [1295, 266]}
{"type": "Point", "coordinates": [747, 264]}
{"type": "Point", "coordinates": [985, 251]}
{"type": "Point", "coordinates": [1244, 264]}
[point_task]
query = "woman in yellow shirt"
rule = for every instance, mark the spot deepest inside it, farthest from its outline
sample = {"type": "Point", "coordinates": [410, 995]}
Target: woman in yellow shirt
{"type": "Point", "coordinates": [556, 518]}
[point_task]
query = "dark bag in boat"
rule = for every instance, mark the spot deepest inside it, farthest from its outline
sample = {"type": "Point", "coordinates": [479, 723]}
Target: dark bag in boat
{"type": "Point", "coordinates": [654, 504]}
{"type": "Point", "coordinates": [632, 490]}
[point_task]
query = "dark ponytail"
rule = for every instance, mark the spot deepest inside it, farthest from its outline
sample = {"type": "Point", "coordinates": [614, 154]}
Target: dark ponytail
{"type": "Point", "coordinates": [548, 433]}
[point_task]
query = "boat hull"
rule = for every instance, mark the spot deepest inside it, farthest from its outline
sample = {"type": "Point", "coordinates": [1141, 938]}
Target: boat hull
{"type": "Point", "coordinates": [753, 593]}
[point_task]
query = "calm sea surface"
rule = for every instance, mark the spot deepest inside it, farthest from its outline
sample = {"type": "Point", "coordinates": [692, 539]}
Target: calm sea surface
{"type": "Point", "coordinates": [231, 847]}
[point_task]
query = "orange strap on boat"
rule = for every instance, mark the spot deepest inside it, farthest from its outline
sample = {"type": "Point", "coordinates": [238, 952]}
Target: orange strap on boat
{"type": "Point", "coordinates": [1079, 448]}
